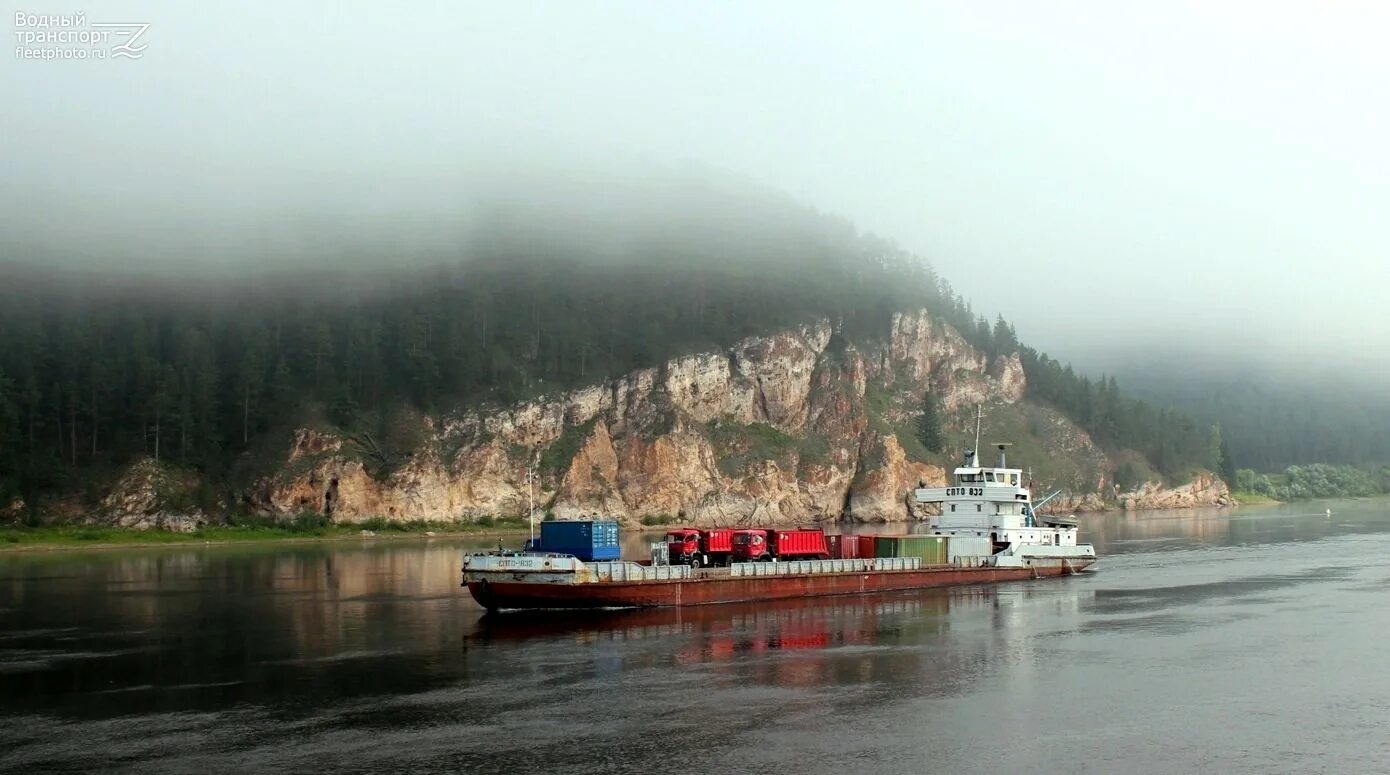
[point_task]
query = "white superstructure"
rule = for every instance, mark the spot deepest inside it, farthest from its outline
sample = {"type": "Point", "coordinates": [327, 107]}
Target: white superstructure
{"type": "Point", "coordinates": [988, 513]}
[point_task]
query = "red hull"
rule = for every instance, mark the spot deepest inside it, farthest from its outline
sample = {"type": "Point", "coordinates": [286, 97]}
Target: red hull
{"type": "Point", "coordinates": [727, 589]}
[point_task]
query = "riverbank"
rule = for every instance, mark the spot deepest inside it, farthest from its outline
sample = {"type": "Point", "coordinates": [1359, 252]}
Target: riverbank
{"type": "Point", "coordinates": [1245, 498]}
{"type": "Point", "coordinates": [95, 537]}
{"type": "Point", "coordinates": [47, 538]}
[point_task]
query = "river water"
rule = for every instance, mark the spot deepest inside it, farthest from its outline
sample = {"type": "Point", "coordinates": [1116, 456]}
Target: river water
{"type": "Point", "coordinates": [1246, 641]}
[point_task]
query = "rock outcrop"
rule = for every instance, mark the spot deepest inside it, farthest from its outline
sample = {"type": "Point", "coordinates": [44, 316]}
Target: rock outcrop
{"type": "Point", "coordinates": [883, 491]}
{"type": "Point", "coordinates": [793, 427]}
{"type": "Point", "coordinates": [1205, 489]}
{"type": "Point", "coordinates": [775, 429]}
{"type": "Point", "coordinates": [150, 496]}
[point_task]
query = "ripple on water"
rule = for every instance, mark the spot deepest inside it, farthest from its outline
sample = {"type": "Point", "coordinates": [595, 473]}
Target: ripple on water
{"type": "Point", "coordinates": [1203, 645]}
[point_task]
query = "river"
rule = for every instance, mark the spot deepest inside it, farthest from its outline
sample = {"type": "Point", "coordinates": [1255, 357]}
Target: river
{"type": "Point", "coordinates": [1245, 641]}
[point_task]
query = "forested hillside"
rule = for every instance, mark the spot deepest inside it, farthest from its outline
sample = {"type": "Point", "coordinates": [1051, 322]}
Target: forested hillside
{"type": "Point", "coordinates": [99, 368]}
{"type": "Point", "coordinates": [1272, 419]}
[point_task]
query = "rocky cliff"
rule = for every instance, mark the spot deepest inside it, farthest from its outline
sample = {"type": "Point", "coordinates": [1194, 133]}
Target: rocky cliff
{"type": "Point", "coordinates": [1205, 489]}
{"type": "Point", "coordinates": [150, 496]}
{"type": "Point", "coordinates": [793, 427]}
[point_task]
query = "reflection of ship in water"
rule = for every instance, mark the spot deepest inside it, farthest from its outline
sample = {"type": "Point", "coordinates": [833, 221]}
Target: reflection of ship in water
{"type": "Point", "coordinates": [784, 624]}
{"type": "Point", "coordinates": [941, 639]}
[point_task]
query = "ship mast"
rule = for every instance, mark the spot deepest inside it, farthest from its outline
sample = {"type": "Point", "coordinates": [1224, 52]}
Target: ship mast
{"type": "Point", "coordinates": [979, 415]}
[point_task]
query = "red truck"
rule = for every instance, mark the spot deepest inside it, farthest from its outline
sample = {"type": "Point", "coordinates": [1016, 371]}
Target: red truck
{"type": "Point", "coordinates": [691, 546]}
{"type": "Point", "coordinates": [767, 545]}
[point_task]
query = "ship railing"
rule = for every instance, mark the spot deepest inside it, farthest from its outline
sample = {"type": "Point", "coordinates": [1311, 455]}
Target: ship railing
{"type": "Point", "coordinates": [631, 571]}
{"type": "Point", "coordinates": [971, 561]}
{"type": "Point", "coordinates": [520, 562]}
{"type": "Point", "coordinates": [802, 567]}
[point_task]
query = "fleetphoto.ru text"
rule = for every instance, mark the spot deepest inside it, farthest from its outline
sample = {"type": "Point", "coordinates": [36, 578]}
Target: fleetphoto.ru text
{"type": "Point", "coordinates": [72, 36]}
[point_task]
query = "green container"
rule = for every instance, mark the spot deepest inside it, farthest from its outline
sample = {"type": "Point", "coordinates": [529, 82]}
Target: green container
{"type": "Point", "coordinates": [931, 549]}
{"type": "Point", "coordinates": [888, 546]}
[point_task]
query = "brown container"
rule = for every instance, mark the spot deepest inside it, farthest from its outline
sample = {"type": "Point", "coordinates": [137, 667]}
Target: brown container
{"type": "Point", "coordinates": [848, 548]}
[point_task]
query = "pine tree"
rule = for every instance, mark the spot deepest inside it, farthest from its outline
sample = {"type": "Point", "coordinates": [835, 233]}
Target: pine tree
{"type": "Point", "coordinates": [929, 430]}
{"type": "Point", "coordinates": [250, 385]}
{"type": "Point", "coordinates": [1215, 443]}
{"type": "Point", "coordinates": [1228, 465]}
{"type": "Point", "coordinates": [984, 337]}
{"type": "Point", "coordinates": [1005, 339]}
{"type": "Point", "coordinates": [161, 402]}
{"type": "Point", "coordinates": [9, 417]}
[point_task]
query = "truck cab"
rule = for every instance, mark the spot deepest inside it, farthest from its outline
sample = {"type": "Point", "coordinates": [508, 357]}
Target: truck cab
{"type": "Point", "coordinates": [700, 547]}
{"type": "Point", "coordinates": [684, 546]}
{"type": "Point", "coordinates": [751, 545]}
{"type": "Point", "coordinates": [782, 544]}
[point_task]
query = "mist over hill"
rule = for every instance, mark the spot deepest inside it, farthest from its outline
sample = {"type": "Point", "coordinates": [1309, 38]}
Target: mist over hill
{"type": "Point", "coordinates": [1273, 412]}
{"type": "Point", "coordinates": [569, 287]}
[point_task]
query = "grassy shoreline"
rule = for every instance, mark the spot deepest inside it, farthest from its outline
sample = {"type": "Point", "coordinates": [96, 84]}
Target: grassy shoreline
{"type": "Point", "coordinates": [89, 537]}
{"type": "Point", "coordinates": [1246, 498]}
{"type": "Point", "coordinates": [48, 538]}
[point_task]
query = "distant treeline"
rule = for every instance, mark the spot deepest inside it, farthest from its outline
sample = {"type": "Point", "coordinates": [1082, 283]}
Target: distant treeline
{"type": "Point", "coordinates": [1273, 420]}
{"type": "Point", "coordinates": [93, 374]}
{"type": "Point", "coordinates": [1318, 480]}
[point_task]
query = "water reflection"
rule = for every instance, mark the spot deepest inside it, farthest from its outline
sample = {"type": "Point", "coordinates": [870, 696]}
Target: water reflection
{"type": "Point", "coordinates": [201, 628]}
{"type": "Point", "coordinates": [286, 654]}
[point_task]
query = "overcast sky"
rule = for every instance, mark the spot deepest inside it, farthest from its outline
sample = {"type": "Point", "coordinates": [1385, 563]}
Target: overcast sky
{"type": "Point", "coordinates": [1107, 175]}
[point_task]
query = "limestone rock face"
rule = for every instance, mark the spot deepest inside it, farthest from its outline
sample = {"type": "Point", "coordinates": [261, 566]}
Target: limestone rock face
{"type": "Point", "coordinates": [883, 493]}
{"type": "Point", "coordinates": [782, 428]}
{"type": "Point", "coordinates": [13, 511]}
{"type": "Point", "coordinates": [1007, 371]}
{"type": "Point", "coordinates": [778, 428]}
{"type": "Point", "coordinates": [1205, 489]}
{"type": "Point", "coordinates": [1074, 503]}
{"type": "Point", "coordinates": [309, 443]}
{"type": "Point", "coordinates": [145, 497]}
{"type": "Point", "coordinates": [590, 486]}
{"type": "Point", "coordinates": [919, 348]}
{"type": "Point", "coordinates": [779, 369]}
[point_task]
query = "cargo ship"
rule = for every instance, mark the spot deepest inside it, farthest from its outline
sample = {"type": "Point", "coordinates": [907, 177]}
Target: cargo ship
{"type": "Point", "coordinates": [988, 531]}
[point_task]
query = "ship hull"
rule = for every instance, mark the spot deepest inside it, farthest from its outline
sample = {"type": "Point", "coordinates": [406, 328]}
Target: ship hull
{"type": "Point", "coordinates": [502, 594]}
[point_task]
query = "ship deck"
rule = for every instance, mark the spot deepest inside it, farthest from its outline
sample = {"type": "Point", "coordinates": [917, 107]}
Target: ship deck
{"type": "Point", "coordinates": [714, 586]}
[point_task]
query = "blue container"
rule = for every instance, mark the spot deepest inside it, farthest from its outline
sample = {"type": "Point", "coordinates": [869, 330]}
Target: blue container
{"type": "Point", "coordinates": [589, 540]}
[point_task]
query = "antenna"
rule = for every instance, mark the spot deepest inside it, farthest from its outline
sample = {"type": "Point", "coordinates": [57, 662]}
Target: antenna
{"type": "Point", "coordinates": [979, 415]}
